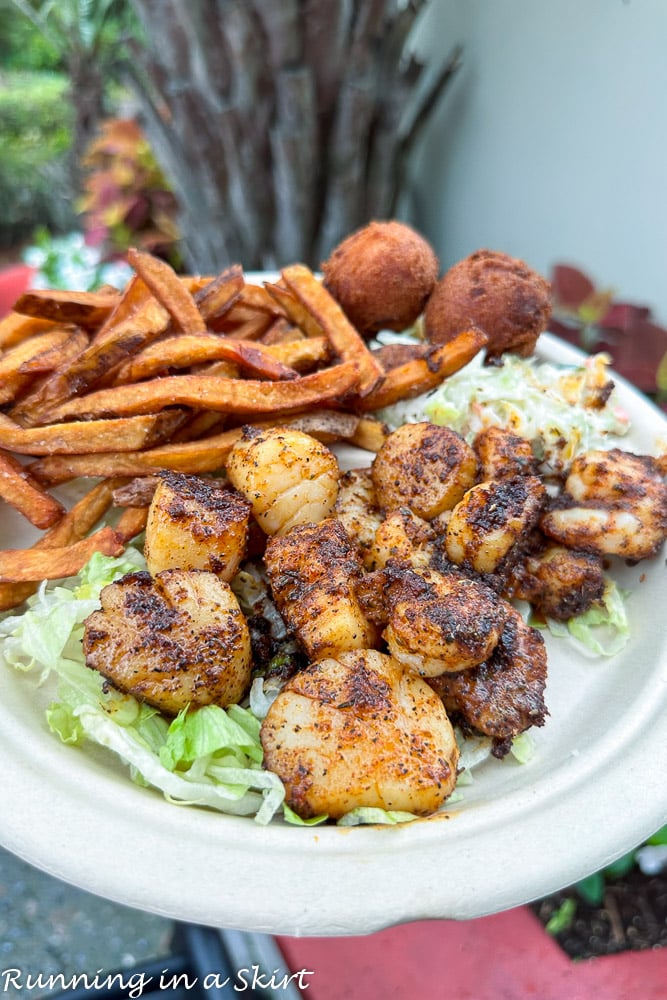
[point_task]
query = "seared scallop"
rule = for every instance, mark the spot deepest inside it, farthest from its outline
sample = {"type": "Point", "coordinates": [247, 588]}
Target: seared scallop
{"type": "Point", "coordinates": [175, 641]}
{"type": "Point", "coordinates": [358, 730]}
{"type": "Point", "coordinates": [287, 476]}
{"type": "Point", "coordinates": [194, 524]}
{"type": "Point", "coordinates": [425, 467]}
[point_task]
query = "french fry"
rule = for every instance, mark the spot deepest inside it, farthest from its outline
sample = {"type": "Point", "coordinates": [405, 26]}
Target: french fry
{"type": "Point", "coordinates": [129, 303]}
{"type": "Point", "coordinates": [14, 328]}
{"type": "Point", "coordinates": [258, 298]}
{"type": "Point", "coordinates": [131, 523]}
{"type": "Point", "coordinates": [86, 309]}
{"type": "Point", "coordinates": [212, 393]}
{"type": "Point", "coordinates": [344, 339]}
{"type": "Point", "coordinates": [100, 357]}
{"type": "Point", "coordinates": [29, 565]}
{"type": "Point", "coordinates": [282, 331]}
{"type": "Point", "coordinates": [217, 297]}
{"type": "Point", "coordinates": [295, 310]}
{"type": "Point", "coordinates": [423, 374]}
{"type": "Point", "coordinates": [21, 491]}
{"type": "Point", "coordinates": [370, 434]}
{"type": "Point", "coordinates": [13, 377]}
{"type": "Point", "coordinates": [73, 526]}
{"type": "Point", "coordinates": [84, 437]}
{"type": "Point", "coordinates": [138, 492]}
{"type": "Point", "coordinates": [194, 457]}
{"type": "Point", "coordinates": [168, 289]}
{"type": "Point", "coordinates": [195, 348]}
{"type": "Point", "coordinates": [52, 357]}
{"type": "Point", "coordinates": [206, 455]}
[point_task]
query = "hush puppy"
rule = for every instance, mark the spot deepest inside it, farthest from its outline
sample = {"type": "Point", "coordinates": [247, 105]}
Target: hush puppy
{"type": "Point", "coordinates": [499, 294]}
{"type": "Point", "coordinates": [382, 276]}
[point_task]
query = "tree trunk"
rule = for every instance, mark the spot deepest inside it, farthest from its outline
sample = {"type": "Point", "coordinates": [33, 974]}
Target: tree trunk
{"type": "Point", "coordinates": [282, 126]}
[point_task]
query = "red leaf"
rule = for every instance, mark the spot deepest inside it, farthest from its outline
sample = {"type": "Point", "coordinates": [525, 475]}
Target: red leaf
{"type": "Point", "coordinates": [570, 286]}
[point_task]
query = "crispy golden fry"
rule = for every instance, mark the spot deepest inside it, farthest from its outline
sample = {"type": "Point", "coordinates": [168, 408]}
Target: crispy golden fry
{"type": "Point", "coordinates": [131, 300]}
{"type": "Point", "coordinates": [303, 353]}
{"type": "Point", "coordinates": [50, 357]}
{"type": "Point", "coordinates": [216, 298]}
{"type": "Point", "coordinates": [19, 489]}
{"type": "Point", "coordinates": [210, 392]}
{"type": "Point", "coordinates": [207, 455]}
{"type": "Point", "coordinates": [148, 321]}
{"type": "Point", "coordinates": [131, 523]}
{"type": "Point", "coordinates": [168, 289]}
{"type": "Point", "coordinates": [194, 457]}
{"type": "Point", "coordinates": [370, 434]}
{"type": "Point", "coordinates": [195, 348]}
{"type": "Point", "coordinates": [27, 385]}
{"type": "Point", "coordinates": [86, 309]}
{"type": "Point", "coordinates": [283, 331]}
{"type": "Point", "coordinates": [423, 374]}
{"type": "Point", "coordinates": [73, 526]}
{"type": "Point", "coordinates": [84, 437]}
{"type": "Point", "coordinates": [244, 323]}
{"type": "Point", "coordinates": [198, 425]}
{"type": "Point", "coordinates": [257, 297]}
{"type": "Point", "coordinates": [14, 328]}
{"type": "Point", "coordinates": [29, 565]}
{"type": "Point", "coordinates": [344, 339]}
{"type": "Point", "coordinates": [138, 492]}
{"type": "Point", "coordinates": [42, 349]}
{"type": "Point", "coordinates": [294, 310]}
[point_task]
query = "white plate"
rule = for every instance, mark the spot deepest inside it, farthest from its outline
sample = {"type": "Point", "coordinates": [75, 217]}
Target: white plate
{"type": "Point", "coordinates": [594, 789]}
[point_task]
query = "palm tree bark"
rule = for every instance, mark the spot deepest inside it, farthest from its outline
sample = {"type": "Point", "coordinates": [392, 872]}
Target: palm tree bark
{"type": "Point", "coordinates": [282, 126]}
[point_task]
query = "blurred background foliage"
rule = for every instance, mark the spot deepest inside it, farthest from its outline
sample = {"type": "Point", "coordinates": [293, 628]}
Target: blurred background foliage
{"type": "Point", "coordinates": [278, 127]}
{"type": "Point", "coordinates": [60, 76]}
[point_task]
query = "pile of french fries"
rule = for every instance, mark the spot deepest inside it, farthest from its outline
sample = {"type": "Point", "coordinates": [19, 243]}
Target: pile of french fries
{"type": "Point", "coordinates": [117, 386]}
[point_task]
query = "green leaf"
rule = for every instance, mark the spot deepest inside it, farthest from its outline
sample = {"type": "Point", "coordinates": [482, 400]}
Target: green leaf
{"type": "Point", "coordinates": [661, 374]}
{"type": "Point", "coordinates": [295, 819]}
{"type": "Point", "coordinates": [621, 867]}
{"type": "Point", "coordinates": [563, 918]}
{"type": "Point", "coordinates": [591, 888]}
{"type": "Point", "coordinates": [658, 838]}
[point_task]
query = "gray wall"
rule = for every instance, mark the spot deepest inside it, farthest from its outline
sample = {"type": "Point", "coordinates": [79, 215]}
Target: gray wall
{"type": "Point", "coordinates": [552, 142]}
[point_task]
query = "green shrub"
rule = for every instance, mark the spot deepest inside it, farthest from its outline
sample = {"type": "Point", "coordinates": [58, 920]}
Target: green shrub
{"type": "Point", "coordinates": [36, 128]}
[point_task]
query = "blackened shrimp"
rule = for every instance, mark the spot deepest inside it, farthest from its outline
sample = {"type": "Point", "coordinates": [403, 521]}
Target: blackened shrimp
{"type": "Point", "coordinates": [435, 622]}
{"type": "Point", "coordinates": [491, 520]}
{"type": "Point", "coordinates": [503, 696]}
{"type": "Point", "coordinates": [502, 453]}
{"type": "Point", "coordinates": [356, 508]}
{"type": "Point", "coordinates": [614, 503]}
{"type": "Point", "coordinates": [558, 582]}
{"type": "Point", "coordinates": [357, 730]}
{"type": "Point", "coordinates": [312, 572]}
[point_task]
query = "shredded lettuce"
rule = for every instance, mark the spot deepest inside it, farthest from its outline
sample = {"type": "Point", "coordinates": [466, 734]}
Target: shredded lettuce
{"type": "Point", "coordinates": [210, 757]}
{"type": "Point", "coordinates": [603, 630]}
{"type": "Point", "coordinates": [366, 815]}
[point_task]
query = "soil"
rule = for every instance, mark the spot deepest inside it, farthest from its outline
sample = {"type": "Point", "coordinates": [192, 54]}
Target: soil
{"type": "Point", "coordinates": [632, 917]}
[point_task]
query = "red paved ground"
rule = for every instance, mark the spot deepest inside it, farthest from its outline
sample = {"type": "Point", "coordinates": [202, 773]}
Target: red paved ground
{"type": "Point", "coordinates": [504, 957]}
{"type": "Point", "coordinates": [13, 282]}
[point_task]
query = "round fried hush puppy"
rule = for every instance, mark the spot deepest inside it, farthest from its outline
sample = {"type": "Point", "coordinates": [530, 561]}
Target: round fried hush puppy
{"type": "Point", "coordinates": [499, 294]}
{"type": "Point", "coordinates": [382, 276]}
